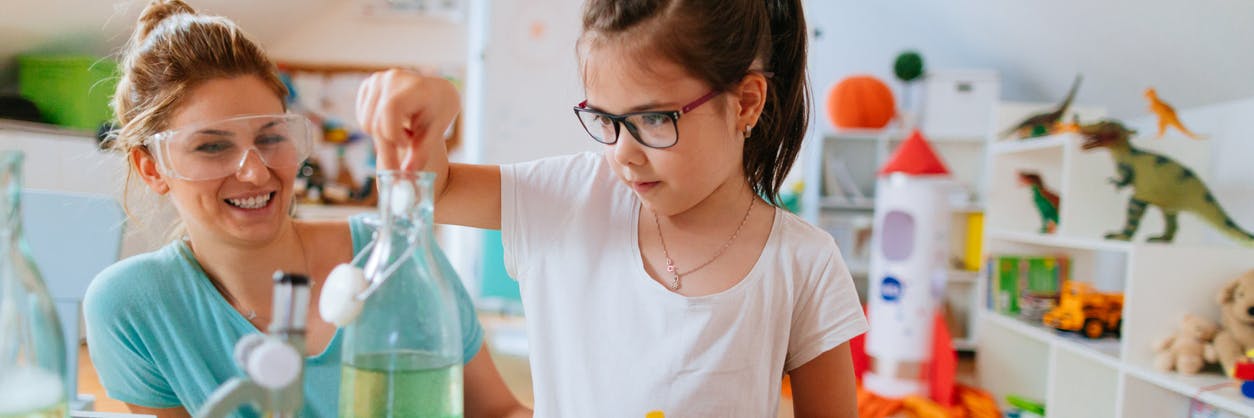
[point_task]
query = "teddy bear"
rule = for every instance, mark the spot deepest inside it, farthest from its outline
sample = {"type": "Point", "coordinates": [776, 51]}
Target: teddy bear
{"type": "Point", "coordinates": [1236, 310]}
{"type": "Point", "coordinates": [1187, 351]}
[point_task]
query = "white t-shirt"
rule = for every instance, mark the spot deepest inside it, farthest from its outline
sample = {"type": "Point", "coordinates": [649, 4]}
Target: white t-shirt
{"type": "Point", "coordinates": [606, 340]}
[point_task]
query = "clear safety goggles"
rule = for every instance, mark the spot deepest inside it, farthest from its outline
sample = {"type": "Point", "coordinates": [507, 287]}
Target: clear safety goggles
{"type": "Point", "coordinates": [217, 149]}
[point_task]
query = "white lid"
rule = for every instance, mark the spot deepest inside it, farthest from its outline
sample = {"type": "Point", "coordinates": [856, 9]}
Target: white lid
{"type": "Point", "coordinates": [244, 347]}
{"type": "Point", "coordinates": [274, 365]}
{"type": "Point", "coordinates": [338, 303]}
{"type": "Point", "coordinates": [403, 197]}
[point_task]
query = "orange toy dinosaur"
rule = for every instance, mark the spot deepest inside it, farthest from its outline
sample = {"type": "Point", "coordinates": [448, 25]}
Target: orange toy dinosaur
{"type": "Point", "coordinates": [1068, 127]}
{"type": "Point", "coordinates": [1166, 115]}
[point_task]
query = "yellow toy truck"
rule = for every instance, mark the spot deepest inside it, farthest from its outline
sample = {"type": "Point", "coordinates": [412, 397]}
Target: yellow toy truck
{"type": "Point", "coordinates": [1084, 310]}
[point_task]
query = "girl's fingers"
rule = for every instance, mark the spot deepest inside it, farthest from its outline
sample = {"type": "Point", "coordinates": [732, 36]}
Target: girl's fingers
{"type": "Point", "coordinates": [385, 156]}
{"type": "Point", "coordinates": [402, 111]}
{"type": "Point", "coordinates": [400, 99]}
{"type": "Point", "coordinates": [416, 158]}
{"type": "Point", "coordinates": [367, 94]}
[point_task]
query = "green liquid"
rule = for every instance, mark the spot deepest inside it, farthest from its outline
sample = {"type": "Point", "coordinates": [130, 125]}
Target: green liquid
{"type": "Point", "coordinates": [54, 411]}
{"type": "Point", "coordinates": [401, 384]}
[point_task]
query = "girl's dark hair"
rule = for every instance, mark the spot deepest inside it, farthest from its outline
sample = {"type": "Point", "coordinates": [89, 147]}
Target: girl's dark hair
{"type": "Point", "coordinates": [719, 42]}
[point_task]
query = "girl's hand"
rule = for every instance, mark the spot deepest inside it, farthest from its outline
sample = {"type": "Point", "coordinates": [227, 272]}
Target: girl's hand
{"type": "Point", "coordinates": [407, 114]}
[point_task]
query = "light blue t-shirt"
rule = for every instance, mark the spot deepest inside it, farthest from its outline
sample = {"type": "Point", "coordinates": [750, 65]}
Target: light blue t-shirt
{"type": "Point", "coordinates": [160, 335]}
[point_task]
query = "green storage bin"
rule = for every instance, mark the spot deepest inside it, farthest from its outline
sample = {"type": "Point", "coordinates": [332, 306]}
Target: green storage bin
{"type": "Point", "coordinates": [70, 90]}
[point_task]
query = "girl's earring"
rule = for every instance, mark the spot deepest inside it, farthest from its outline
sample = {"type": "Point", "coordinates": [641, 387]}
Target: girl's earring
{"type": "Point", "coordinates": [748, 131]}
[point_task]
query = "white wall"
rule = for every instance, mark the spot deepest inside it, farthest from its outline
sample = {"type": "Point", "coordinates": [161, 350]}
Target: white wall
{"type": "Point", "coordinates": [341, 33]}
{"type": "Point", "coordinates": [1191, 50]}
{"type": "Point", "coordinates": [530, 80]}
{"type": "Point", "coordinates": [70, 162]}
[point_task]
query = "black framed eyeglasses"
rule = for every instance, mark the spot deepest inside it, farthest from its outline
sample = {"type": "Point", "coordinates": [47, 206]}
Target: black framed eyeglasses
{"type": "Point", "coordinates": [653, 129]}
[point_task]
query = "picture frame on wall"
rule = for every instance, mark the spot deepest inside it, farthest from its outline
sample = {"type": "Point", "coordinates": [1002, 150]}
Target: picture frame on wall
{"type": "Point", "coordinates": [450, 10]}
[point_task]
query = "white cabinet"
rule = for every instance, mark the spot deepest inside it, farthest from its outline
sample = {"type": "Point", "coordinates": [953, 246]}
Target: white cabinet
{"type": "Point", "coordinates": [67, 160]}
{"type": "Point", "coordinates": [1111, 377]}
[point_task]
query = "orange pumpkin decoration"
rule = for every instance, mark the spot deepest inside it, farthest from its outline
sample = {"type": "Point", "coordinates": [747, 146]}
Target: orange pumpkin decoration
{"type": "Point", "coordinates": [860, 102]}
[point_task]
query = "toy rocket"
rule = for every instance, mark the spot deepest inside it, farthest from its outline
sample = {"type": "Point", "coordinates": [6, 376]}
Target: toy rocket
{"type": "Point", "coordinates": [908, 268]}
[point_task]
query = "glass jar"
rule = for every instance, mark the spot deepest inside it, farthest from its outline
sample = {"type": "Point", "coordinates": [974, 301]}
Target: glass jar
{"type": "Point", "coordinates": [403, 352]}
{"type": "Point", "coordinates": [32, 348]}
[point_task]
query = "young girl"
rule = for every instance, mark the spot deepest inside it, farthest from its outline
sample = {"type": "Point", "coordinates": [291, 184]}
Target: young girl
{"type": "Point", "coordinates": [658, 275]}
{"type": "Point", "coordinates": [202, 121]}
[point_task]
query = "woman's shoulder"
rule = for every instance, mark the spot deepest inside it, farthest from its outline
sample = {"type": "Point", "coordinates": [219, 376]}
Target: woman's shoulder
{"type": "Point", "coordinates": [322, 229]}
{"type": "Point", "coordinates": [136, 279]}
{"type": "Point", "coordinates": [142, 267]}
{"type": "Point", "coordinates": [336, 236]}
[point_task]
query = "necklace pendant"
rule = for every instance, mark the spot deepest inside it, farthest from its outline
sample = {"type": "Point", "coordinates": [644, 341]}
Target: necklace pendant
{"type": "Point", "coordinates": [670, 268]}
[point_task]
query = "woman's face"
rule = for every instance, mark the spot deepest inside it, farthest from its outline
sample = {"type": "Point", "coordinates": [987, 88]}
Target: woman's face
{"type": "Point", "coordinates": [250, 204]}
{"type": "Point", "coordinates": [708, 153]}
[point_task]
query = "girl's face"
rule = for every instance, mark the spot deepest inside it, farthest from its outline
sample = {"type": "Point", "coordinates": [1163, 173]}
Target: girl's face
{"type": "Point", "coordinates": [708, 152]}
{"type": "Point", "coordinates": [250, 203]}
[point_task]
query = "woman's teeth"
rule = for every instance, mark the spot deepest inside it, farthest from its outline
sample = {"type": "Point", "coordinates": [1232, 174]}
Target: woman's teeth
{"type": "Point", "coordinates": [254, 202]}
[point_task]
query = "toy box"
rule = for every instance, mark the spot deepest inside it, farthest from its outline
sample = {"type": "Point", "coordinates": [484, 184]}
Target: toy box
{"type": "Point", "coordinates": [959, 103]}
{"type": "Point", "coordinates": [1026, 286]}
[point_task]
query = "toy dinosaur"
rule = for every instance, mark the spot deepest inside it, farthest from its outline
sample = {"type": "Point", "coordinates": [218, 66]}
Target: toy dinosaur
{"type": "Point", "coordinates": [1068, 127]}
{"type": "Point", "coordinates": [1040, 124]}
{"type": "Point", "coordinates": [1046, 201]}
{"type": "Point", "coordinates": [1160, 181]}
{"type": "Point", "coordinates": [1166, 115]}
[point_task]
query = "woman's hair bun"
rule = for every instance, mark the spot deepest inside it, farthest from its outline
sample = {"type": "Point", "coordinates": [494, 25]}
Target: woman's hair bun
{"type": "Point", "coordinates": [158, 11]}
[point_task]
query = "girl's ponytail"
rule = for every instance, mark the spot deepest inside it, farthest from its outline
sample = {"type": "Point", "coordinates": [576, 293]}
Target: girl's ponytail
{"type": "Point", "coordinates": [776, 140]}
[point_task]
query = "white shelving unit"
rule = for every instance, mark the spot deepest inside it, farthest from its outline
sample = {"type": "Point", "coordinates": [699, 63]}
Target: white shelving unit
{"type": "Point", "coordinates": [1110, 377]}
{"type": "Point", "coordinates": [863, 152]}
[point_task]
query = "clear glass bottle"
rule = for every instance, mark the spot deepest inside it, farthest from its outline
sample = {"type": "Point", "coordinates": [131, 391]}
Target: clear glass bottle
{"type": "Point", "coordinates": [403, 353]}
{"type": "Point", "coordinates": [32, 348]}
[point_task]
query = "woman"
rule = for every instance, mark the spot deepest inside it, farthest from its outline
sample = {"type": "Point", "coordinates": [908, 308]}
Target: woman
{"type": "Point", "coordinates": [203, 122]}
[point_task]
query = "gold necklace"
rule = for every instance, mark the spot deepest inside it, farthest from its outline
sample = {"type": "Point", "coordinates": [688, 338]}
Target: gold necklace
{"type": "Point", "coordinates": [670, 264]}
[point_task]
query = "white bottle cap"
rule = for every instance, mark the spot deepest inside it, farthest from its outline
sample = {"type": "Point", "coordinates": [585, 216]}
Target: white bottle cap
{"type": "Point", "coordinates": [338, 303]}
{"type": "Point", "coordinates": [273, 364]}
{"type": "Point", "coordinates": [403, 197]}
{"type": "Point", "coordinates": [244, 347]}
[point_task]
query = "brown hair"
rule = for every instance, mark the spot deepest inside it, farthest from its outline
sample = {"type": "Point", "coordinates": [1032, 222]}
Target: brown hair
{"type": "Point", "coordinates": [719, 41]}
{"type": "Point", "coordinates": [172, 51]}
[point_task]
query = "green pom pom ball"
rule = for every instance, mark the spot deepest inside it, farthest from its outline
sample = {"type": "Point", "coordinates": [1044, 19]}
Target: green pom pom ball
{"type": "Point", "coordinates": [909, 66]}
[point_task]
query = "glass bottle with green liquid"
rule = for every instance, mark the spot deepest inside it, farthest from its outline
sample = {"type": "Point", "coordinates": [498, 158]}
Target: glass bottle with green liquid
{"type": "Point", "coordinates": [402, 332]}
{"type": "Point", "coordinates": [32, 347]}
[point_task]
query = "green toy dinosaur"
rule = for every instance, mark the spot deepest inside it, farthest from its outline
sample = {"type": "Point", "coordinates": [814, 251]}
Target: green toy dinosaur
{"type": "Point", "coordinates": [1046, 201]}
{"type": "Point", "coordinates": [1042, 124]}
{"type": "Point", "coordinates": [1160, 181]}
